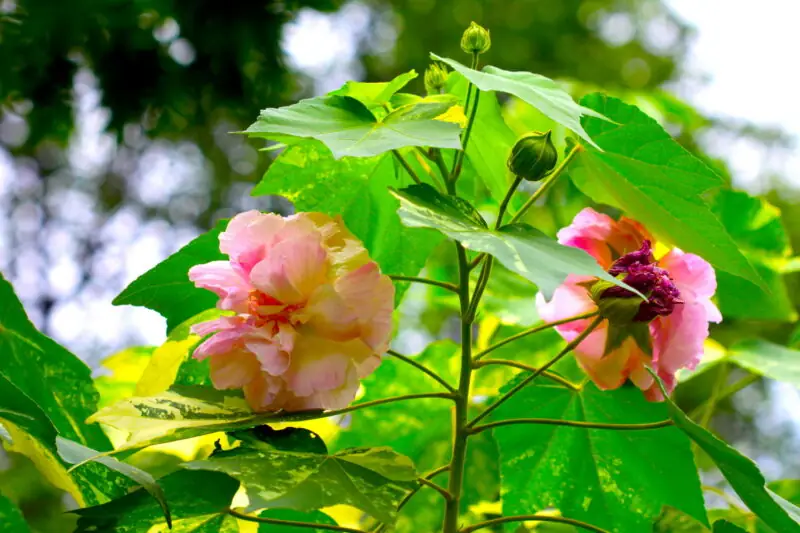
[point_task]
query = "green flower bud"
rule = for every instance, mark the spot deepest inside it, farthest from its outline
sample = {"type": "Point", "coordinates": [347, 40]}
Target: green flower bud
{"type": "Point", "coordinates": [621, 313]}
{"type": "Point", "coordinates": [435, 78]}
{"type": "Point", "coordinates": [475, 39]}
{"type": "Point", "coordinates": [533, 156]}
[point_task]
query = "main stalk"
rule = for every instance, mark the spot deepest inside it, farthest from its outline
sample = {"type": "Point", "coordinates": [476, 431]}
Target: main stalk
{"type": "Point", "coordinates": [461, 432]}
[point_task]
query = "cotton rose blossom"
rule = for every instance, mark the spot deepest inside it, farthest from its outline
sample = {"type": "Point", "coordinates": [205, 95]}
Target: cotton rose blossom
{"type": "Point", "coordinates": [312, 312]}
{"type": "Point", "coordinates": [675, 317]}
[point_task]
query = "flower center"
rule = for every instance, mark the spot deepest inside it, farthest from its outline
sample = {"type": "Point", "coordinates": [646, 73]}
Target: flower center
{"type": "Point", "coordinates": [265, 309]}
{"type": "Point", "coordinates": [642, 273]}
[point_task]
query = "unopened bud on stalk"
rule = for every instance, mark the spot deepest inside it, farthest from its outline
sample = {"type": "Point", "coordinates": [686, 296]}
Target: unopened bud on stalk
{"type": "Point", "coordinates": [435, 78]}
{"type": "Point", "coordinates": [533, 156]}
{"type": "Point", "coordinates": [475, 39]}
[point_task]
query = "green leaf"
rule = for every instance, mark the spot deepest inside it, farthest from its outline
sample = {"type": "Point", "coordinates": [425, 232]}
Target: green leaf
{"type": "Point", "coordinates": [616, 479]}
{"type": "Point", "coordinates": [46, 391]}
{"type": "Point", "coordinates": [124, 370]}
{"type": "Point", "coordinates": [542, 93]}
{"type": "Point", "coordinates": [347, 127]}
{"type": "Point", "coordinates": [74, 453]}
{"type": "Point", "coordinates": [490, 141]}
{"type": "Point", "coordinates": [757, 229]}
{"type": "Point", "coordinates": [521, 248]}
{"type": "Point", "coordinates": [11, 517]}
{"type": "Point", "coordinates": [742, 473]}
{"type": "Point", "coordinates": [166, 288]}
{"type": "Point", "coordinates": [373, 480]}
{"type": "Point", "coordinates": [357, 189]}
{"type": "Point", "coordinates": [199, 502]}
{"type": "Point", "coordinates": [314, 517]}
{"type": "Point", "coordinates": [723, 526]}
{"type": "Point", "coordinates": [644, 172]}
{"type": "Point", "coordinates": [374, 95]}
{"type": "Point", "coordinates": [767, 359]}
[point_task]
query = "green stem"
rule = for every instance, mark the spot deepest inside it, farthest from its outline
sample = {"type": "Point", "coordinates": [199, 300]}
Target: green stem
{"type": "Point", "coordinates": [407, 167]}
{"type": "Point", "coordinates": [290, 523]}
{"type": "Point", "coordinates": [480, 286]}
{"type": "Point", "coordinates": [423, 368]}
{"type": "Point", "coordinates": [532, 518]}
{"type": "Point", "coordinates": [438, 158]}
{"type": "Point", "coordinates": [373, 403]}
{"type": "Point", "coordinates": [573, 423]}
{"type": "Point", "coordinates": [506, 200]}
{"type": "Point", "coordinates": [531, 331]}
{"type": "Point", "coordinates": [414, 279]}
{"type": "Point", "coordinates": [728, 391]}
{"type": "Point", "coordinates": [477, 260]}
{"type": "Point", "coordinates": [436, 180]}
{"type": "Point", "coordinates": [547, 183]}
{"type": "Point", "coordinates": [711, 404]}
{"type": "Point", "coordinates": [458, 458]}
{"type": "Point", "coordinates": [529, 368]}
{"type": "Point", "coordinates": [522, 384]}
{"type": "Point", "coordinates": [428, 483]}
{"type": "Point", "coordinates": [459, 163]}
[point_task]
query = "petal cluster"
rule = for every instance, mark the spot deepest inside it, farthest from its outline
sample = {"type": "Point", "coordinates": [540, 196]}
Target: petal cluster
{"type": "Point", "coordinates": [679, 287]}
{"type": "Point", "coordinates": [311, 312]}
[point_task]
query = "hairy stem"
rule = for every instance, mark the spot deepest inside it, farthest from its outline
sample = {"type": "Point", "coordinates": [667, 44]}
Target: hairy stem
{"type": "Point", "coordinates": [290, 523]}
{"type": "Point", "coordinates": [406, 166]}
{"type": "Point", "coordinates": [547, 183]}
{"type": "Point", "coordinates": [458, 458]}
{"type": "Point", "coordinates": [522, 384]}
{"type": "Point", "coordinates": [422, 368]}
{"type": "Point", "coordinates": [522, 366]}
{"type": "Point", "coordinates": [532, 518]}
{"type": "Point", "coordinates": [414, 279]}
{"type": "Point", "coordinates": [531, 331]}
{"type": "Point", "coordinates": [574, 424]}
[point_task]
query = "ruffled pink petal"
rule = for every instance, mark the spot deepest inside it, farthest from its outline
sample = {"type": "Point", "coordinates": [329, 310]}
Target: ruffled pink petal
{"type": "Point", "coordinates": [692, 274]}
{"type": "Point", "coordinates": [371, 295]}
{"type": "Point", "coordinates": [233, 370]}
{"type": "Point", "coordinates": [248, 237]}
{"type": "Point", "coordinates": [602, 237]}
{"type": "Point", "coordinates": [266, 393]}
{"type": "Point", "coordinates": [320, 364]}
{"type": "Point", "coordinates": [330, 316]}
{"type": "Point", "coordinates": [273, 360]}
{"type": "Point", "coordinates": [218, 324]}
{"type": "Point", "coordinates": [569, 299]}
{"type": "Point", "coordinates": [219, 343]}
{"type": "Point", "coordinates": [292, 270]}
{"type": "Point", "coordinates": [220, 278]}
{"type": "Point", "coordinates": [341, 396]}
{"type": "Point", "coordinates": [678, 338]}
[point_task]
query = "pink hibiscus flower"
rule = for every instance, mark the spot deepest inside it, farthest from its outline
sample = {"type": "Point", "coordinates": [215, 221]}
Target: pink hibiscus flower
{"type": "Point", "coordinates": [674, 320]}
{"type": "Point", "coordinates": [313, 313]}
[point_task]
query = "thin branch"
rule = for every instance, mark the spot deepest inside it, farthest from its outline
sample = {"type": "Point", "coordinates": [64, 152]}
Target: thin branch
{"type": "Point", "coordinates": [516, 364]}
{"type": "Point", "coordinates": [290, 523]}
{"type": "Point", "coordinates": [407, 167]}
{"type": "Point", "coordinates": [422, 368]}
{"type": "Point", "coordinates": [460, 155]}
{"type": "Point", "coordinates": [436, 156]}
{"type": "Point", "coordinates": [532, 518]}
{"type": "Point", "coordinates": [430, 475]}
{"type": "Point", "coordinates": [522, 384]}
{"type": "Point", "coordinates": [504, 204]}
{"type": "Point", "coordinates": [531, 331]}
{"type": "Point", "coordinates": [441, 284]}
{"type": "Point", "coordinates": [477, 260]}
{"type": "Point", "coordinates": [574, 424]}
{"type": "Point", "coordinates": [548, 181]}
{"type": "Point", "coordinates": [428, 483]}
{"type": "Point", "coordinates": [422, 153]}
{"type": "Point", "coordinates": [480, 286]}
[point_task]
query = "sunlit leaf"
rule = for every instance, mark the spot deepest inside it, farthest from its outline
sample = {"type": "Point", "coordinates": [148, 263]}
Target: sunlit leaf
{"type": "Point", "coordinates": [357, 189]}
{"type": "Point", "coordinates": [643, 171]}
{"type": "Point", "coordinates": [199, 501]}
{"type": "Point", "coordinates": [375, 94]}
{"type": "Point", "coordinates": [616, 479]}
{"type": "Point", "coordinates": [371, 479]}
{"type": "Point", "coordinates": [166, 288]}
{"type": "Point", "coordinates": [74, 453]}
{"type": "Point", "coordinates": [347, 127]}
{"type": "Point", "coordinates": [742, 474]}
{"type": "Point", "coordinates": [767, 359]}
{"type": "Point", "coordinates": [123, 371]}
{"type": "Point", "coordinates": [521, 248]}
{"type": "Point", "coordinates": [542, 93]}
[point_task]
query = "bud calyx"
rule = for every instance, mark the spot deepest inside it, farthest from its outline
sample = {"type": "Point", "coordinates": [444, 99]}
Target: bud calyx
{"type": "Point", "coordinates": [475, 39]}
{"type": "Point", "coordinates": [533, 156]}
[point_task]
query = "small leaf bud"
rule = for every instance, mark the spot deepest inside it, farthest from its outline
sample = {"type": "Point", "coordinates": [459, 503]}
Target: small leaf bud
{"type": "Point", "coordinates": [533, 156]}
{"type": "Point", "coordinates": [435, 78]}
{"type": "Point", "coordinates": [475, 39]}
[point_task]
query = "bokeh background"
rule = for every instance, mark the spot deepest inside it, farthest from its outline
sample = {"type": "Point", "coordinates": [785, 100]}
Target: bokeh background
{"type": "Point", "coordinates": [116, 120]}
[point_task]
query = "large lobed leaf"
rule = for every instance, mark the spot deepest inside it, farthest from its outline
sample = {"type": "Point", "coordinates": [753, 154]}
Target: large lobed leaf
{"type": "Point", "coordinates": [521, 248]}
{"type": "Point", "coordinates": [616, 479]}
{"type": "Point", "coordinates": [349, 128]}
{"type": "Point", "coordinates": [742, 474]}
{"type": "Point", "coordinates": [542, 93]}
{"type": "Point", "coordinates": [643, 171]}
